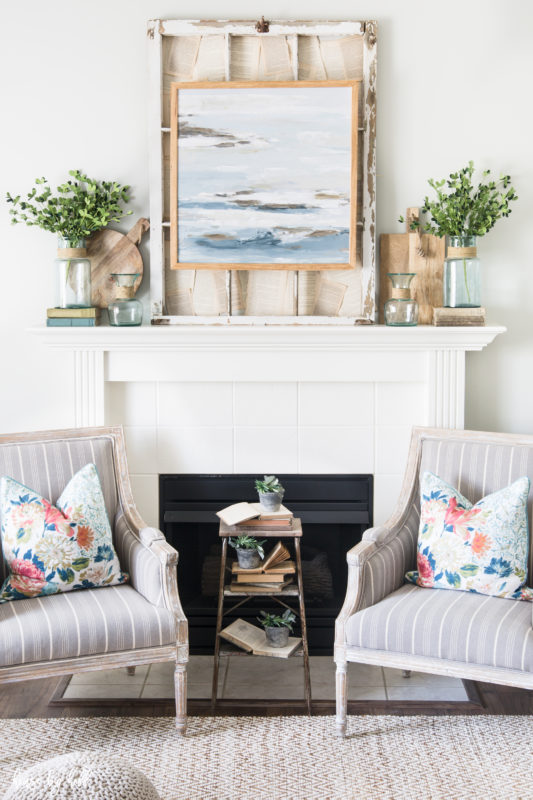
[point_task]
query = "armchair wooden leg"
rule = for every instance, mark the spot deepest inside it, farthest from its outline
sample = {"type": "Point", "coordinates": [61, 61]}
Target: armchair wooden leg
{"type": "Point", "coordinates": [131, 670]}
{"type": "Point", "coordinates": [341, 687]}
{"type": "Point", "coordinates": [180, 688]}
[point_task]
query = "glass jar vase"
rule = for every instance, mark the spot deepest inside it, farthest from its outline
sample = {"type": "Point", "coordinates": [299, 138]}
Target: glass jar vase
{"type": "Point", "coordinates": [125, 310]}
{"type": "Point", "coordinates": [462, 273]}
{"type": "Point", "coordinates": [72, 274]}
{"type": "Point", "coordinates": [401, 310]}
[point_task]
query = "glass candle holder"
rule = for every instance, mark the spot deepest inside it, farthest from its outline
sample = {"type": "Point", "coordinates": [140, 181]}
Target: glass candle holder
{"type": "Point", "coordinates": [125, 310]}
{"type": "Point", "coordinates": [401, 310]}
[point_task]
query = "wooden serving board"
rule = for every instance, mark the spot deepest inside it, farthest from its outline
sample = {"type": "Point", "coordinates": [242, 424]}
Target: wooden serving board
{"type": "Point", "coordinates": [111, 251]}
{"type": "Point", "coordinates": [422, 254]}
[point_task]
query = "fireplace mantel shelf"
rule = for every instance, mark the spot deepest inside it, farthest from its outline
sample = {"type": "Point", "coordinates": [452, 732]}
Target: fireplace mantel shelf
{"type": "Point", "coordinates": [267, 338]}
{"type": "Point", "coordinates": [430, 357]}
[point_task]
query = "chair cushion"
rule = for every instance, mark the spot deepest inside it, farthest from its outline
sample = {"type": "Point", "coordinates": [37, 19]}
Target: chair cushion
{"type": "Point", "coordinates": [49, 549]}
{"type": "Point", "coordinates": [455, 626]}
{"type": "Point", "coordinates": [81, 623]}
{"type": "Point", "coordinates": [474, 548]}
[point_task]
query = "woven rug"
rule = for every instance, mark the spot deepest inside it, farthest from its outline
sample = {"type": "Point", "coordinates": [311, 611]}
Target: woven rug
{"type": "Point", "coordinates": [296, 758]}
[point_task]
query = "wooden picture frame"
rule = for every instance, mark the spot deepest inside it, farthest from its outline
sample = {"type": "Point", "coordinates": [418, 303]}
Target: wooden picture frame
{"type": "Point", "coordinates": [272, 244]}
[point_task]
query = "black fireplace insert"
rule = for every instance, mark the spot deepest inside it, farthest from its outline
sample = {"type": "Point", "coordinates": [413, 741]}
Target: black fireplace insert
{"type": "Point", "coordinates": [334, 509]}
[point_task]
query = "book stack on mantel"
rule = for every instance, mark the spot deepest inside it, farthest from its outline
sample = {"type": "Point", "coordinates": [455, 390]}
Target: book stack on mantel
{"type": "Point", "coordinates": [253, 640]}
{"type": "Point", "coordinates": [275, 573]}
{"type": "Point", "coordinates": [72, 317]}
{"type": "Point", "coordinates": [455, 317]}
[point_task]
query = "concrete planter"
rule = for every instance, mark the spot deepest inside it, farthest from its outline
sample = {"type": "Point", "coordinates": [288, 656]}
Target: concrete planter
{"type": "Point", "coordinates": [271, 501]}
{"type": "Point", "coordinates": [248, 559]}
{"type": "Point", "coordinates": [277, 637]}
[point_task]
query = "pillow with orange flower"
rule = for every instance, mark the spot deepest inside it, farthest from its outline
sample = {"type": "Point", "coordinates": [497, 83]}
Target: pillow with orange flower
{"type": "Point", "coordinates": [50, 549]}
{"type": "Point", "coordinates": [474, 548]}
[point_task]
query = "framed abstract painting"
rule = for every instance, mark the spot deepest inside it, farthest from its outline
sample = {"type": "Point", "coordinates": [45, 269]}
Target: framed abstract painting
{"type": "Point", "coordinates": [264, 175]}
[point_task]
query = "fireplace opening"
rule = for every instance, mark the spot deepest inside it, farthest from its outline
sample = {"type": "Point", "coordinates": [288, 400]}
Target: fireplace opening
{"type": "Point", "coordinates": [334, 509]}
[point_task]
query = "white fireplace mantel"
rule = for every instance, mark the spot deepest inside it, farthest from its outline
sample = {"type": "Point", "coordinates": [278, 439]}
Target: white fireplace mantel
{"type": "Point", "coordinates": [424, 354]}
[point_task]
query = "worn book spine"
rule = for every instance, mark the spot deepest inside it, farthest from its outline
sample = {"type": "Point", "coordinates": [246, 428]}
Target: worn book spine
{"type": "Point", "coordinates": [73, 313]}
{"type": "Point", "coordinates": [76, 322]}
{"type": "Point", "coordinates": [455, 317]}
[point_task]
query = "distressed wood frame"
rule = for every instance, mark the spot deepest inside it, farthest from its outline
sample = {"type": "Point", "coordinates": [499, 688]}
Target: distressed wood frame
{"type": "Point", "coordinates": [152, 540]}
{"type": "Point", "coordinates": [176, 88]}
{"type": "Point", "coordinates": [159, 28]}
{"type": "Point", "coordinates": [376, 538]}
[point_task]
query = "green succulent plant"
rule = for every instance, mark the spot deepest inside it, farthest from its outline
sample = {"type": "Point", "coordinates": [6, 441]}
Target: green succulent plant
{"type": "Point", "coordinates": [79, 207]}
{"type": "Point", "coordinates": [463, 208]}
{"type": "Point", "coordinates": [268, 485]}
{"type": "Point", "coordinates": [248, 543]}
{"type": "Point", "coordinates": [285, 620]}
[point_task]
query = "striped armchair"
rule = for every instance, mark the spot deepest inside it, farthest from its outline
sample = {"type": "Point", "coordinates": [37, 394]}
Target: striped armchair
{"type": "Point", "coordinates": [385, 621]}
{"type": "Point", "coordinates": [118, 626]}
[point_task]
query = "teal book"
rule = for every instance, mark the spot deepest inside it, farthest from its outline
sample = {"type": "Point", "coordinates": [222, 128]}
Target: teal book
{"type": "Point", "coordinates": [67, 322]}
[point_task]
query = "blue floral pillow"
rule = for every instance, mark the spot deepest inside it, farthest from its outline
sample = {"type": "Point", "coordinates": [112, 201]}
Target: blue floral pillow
{"type": "Point", "coordinates": [52, 549]}
{"type": "Point", "coordinates": [474, 548]}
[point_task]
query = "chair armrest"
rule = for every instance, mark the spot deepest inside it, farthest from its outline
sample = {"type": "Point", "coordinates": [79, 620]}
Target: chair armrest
{"type": "Point", "coordinates": [150, 562]}
{"type": "Point", "coordinates": [376, 568]}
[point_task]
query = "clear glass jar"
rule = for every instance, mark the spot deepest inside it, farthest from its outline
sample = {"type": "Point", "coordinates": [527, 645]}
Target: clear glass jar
{"type": "Point", "coordinates": [125, 310]}
{"type": "Point", "coordinates": [401, 309]}
{"type": "Point", "coordinates": [72, 274]}
{"type": "Point", "coordinates": [462, 273]}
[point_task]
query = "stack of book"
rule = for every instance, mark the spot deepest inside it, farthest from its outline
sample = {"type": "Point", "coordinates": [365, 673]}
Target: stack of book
{"type": "Point", "coordinates": [275, 573]}
{"type": "Point", "coordinates": [72, 317]}
{"type": "Point", "coordinates": [250, 517]}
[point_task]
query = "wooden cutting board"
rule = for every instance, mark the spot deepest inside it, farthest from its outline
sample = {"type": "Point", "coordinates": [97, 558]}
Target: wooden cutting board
{"type": "Point", "coordinates": [422, 254]}
{"type": "Point", "coordinates": [111, 251]}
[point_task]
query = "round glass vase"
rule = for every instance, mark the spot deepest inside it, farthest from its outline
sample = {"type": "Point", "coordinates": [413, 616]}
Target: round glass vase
{"type": "Point", "coordinates": [462, 273]}
{"type": "Point", "coordinates": [401, 310]}
{"type": "Point", "coordinates": [125, 310]}
{"type": "Point", "coordinates": [72, 274]}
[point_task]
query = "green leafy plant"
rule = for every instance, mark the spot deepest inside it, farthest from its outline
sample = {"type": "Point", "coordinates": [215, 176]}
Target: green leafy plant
{"type": "Point", "coordinates": [248, 543]}
{"type": "Point", "coordinates": [463, 208]}
{"type": "Point", "coordinates": [285, 620]}
{"type": "Point", "coordinates": [269, 485]}
{"type": "Point", "coordinates": [79, 207]}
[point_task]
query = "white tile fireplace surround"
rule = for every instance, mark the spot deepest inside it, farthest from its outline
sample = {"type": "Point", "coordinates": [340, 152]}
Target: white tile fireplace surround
{"type": "Point", "coordinates": [310, 399]}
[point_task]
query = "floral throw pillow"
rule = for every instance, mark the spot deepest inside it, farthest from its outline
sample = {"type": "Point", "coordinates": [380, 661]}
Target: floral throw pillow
{"type": "Point", "coordinates": [474, 548]}
{"type": "Point", "coordinates": [50, 549]}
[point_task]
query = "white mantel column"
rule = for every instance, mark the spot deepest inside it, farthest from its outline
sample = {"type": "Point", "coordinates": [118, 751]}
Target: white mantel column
{"type": "Point", "coordinates": [89, 388]}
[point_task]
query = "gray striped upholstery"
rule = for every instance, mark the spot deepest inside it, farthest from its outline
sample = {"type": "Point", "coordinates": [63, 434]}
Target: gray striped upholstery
{"type": "Point", "coordinates": [475, 469]}
{"type": "Point", "coordinates": [46, 467]}
{"type": "Point", "coordinates": [449, 625]}
{"type": "Point", "coordinates": [143, 567]}
{"type": "Point", "coordinates": [80, 623]}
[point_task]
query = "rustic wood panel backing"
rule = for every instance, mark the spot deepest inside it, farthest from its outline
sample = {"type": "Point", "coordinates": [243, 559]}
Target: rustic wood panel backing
{"type": "Point", "coordinates": [215, 51]}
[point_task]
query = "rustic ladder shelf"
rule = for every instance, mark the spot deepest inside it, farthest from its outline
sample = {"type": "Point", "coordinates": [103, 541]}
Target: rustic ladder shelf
{"type": "Point", "coordinates": [290, 591]}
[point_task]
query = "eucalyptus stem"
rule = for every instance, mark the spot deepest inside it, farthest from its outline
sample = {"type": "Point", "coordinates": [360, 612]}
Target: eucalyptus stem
{"type": "Point", "coordinates": [466, 279]}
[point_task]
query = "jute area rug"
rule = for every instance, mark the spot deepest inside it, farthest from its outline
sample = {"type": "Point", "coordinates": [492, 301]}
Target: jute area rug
{"type": "Point", "coordinates": [296, 758]}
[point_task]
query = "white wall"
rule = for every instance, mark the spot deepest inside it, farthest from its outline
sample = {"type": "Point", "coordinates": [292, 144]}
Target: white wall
{"type": "Point", "coordinates": [454, 84]}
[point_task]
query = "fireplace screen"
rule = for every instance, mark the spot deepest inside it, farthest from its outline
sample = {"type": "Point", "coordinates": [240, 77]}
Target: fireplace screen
{"type": "Point", "coordinates": [334, 509]}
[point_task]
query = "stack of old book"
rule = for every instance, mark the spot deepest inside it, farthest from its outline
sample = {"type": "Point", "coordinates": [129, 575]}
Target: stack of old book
{"type": "Point", "coordinates": [72, 317]}
{"type": "Point", "coordinates": [275, 573]}
{"type": "Point", "coordinates": [244, 518]}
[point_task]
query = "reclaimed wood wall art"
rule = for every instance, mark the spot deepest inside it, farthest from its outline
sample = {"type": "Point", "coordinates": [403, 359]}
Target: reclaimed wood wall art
{"type": "Point", "coordinates": [263, 175]}
{"type": "Point", "coordinates": [182, 51]}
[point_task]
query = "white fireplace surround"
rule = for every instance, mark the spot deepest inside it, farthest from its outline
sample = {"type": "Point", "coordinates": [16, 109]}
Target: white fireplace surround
{"type": "Point", "coordinates": [227, 399]}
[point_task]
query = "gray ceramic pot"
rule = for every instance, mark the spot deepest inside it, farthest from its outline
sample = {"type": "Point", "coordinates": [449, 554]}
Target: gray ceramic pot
{"type": "Point", "coordinates": [248, 559]}
{"type": "Point", "coordinates": [271, 501]}
{"type": "Point", "coordinates": [277, 637]}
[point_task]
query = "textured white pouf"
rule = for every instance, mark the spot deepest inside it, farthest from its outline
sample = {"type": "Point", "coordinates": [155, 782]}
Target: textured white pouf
{"type": "Point", "coordinates": [81, 776]}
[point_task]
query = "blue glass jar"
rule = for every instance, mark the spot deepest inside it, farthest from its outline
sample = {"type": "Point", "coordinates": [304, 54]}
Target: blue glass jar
{"type": "Point", "coordinates": [462, 273]}
{"type": "Point", "coordinates": [125, 310]}
{"type": "Point", "coordinates": [401, 310]}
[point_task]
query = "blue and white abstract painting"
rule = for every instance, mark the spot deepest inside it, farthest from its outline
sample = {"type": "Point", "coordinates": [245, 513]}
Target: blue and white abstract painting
{"type": "Point", "coordinates": [264, 175]}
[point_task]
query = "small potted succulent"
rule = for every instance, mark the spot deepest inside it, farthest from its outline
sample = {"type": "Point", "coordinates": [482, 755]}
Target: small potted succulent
{"type": "Point", "coordinates": [277, 628]}
{"type": "Point", "coordinates": [270, 493]}
{"type": "Point", "coordinates": [249, 551]}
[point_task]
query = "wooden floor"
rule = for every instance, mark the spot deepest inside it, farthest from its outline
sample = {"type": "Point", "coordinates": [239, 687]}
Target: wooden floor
{"type": "Point", "coordinates": [36, 699]}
